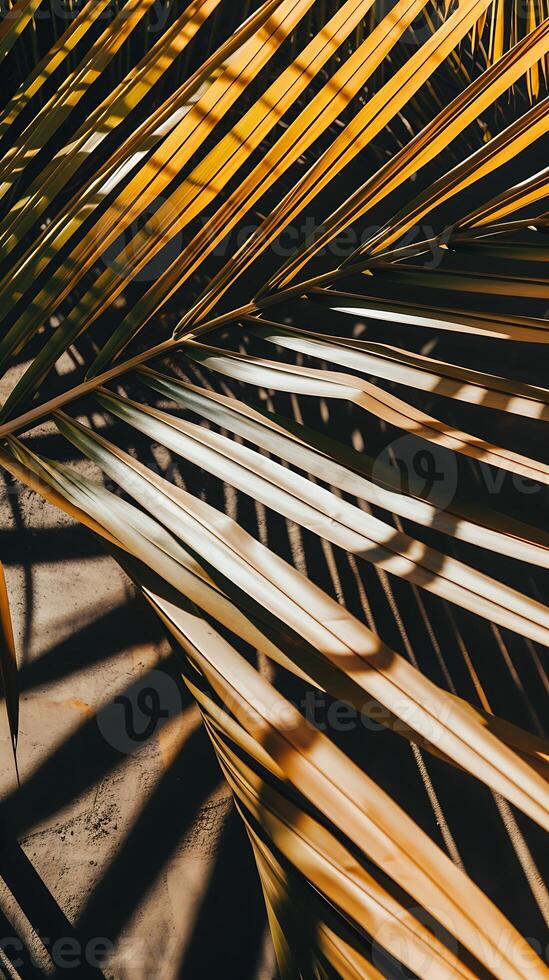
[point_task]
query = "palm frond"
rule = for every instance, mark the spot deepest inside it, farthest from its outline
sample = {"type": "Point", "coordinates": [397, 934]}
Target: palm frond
{"type": "Point", "coordinates": [124, 154]}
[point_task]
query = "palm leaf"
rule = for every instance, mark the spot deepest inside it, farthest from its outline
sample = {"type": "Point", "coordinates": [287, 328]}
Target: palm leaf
{"type": "Point", "coordinates": [8, 664]}
{"type": "Point", "coordinates": [253, 380]}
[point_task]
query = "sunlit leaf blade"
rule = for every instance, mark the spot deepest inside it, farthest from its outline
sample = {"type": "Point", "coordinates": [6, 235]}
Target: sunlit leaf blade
{"type": "Point", "coordinates": [525, 193]}
{"type": "Point", "coordinates": [351, 471]}
{"type": "Point", "coordinates": [320, 857]}
{"type": "Point", "coordinates": [335, 384]}
{"type": "Point", "coordinates": [525, 131]}
{"type": "Point", "coordinates": [522, 329]}
{"type": "Point", "coordinates": [150, 181]}
{"type": "Point", "coordinates": [123, 526]}
{"type": "Point", "coordinates": [14, 22]}
{"type": "Point", "coordinates": [367, 123]}
{"type": "Point", "coordinates": [296, 139]}
{"type": "Point", "coordinates": [431, 141]}
{"type": "Point", "coordinates": [58, 108]}
{"type": "Point", "coordinates": [128, 155]}
{"type": "Point", "coordinates": [8, 664]}
{"type": "Point", "coordinates": [334, 519]}
{"type": "Point", "coordinates": [310, 761]}
{"type": "Point", "coordinates": [52, 61]}
{"type": "Point", "coordinates": [273, 584]}
{"type": "Point", "coordinates": [412, 370]}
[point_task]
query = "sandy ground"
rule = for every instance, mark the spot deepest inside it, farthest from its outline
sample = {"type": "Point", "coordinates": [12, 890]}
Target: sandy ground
{"type": "Point", "coordinates": [122, 856]}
